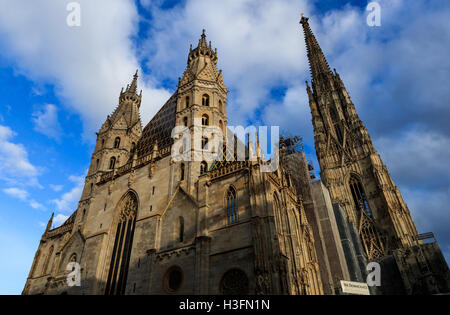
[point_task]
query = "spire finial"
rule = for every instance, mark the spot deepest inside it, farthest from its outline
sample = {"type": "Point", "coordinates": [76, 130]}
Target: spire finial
{"type": "Point", "coordinates": [202, 43]}
{"type": "Point", "coordinates": [133, 86]}
{"type": "Point", "coordinates": [50, 223]}
{"type": "Point", "coordinates": [317, 62]}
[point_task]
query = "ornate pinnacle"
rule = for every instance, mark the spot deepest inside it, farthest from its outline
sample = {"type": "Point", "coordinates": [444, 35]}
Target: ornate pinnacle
{"type": "Point", "coordinates": [203, 49]}
{"type": "Point", "coordinates": [317, 62]}
{"type": "Point", "coordinates": [133, 86]}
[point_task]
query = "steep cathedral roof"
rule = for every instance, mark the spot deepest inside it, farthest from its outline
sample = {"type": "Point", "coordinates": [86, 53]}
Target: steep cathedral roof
{"type": "Point", "coordinates": [159, 129]}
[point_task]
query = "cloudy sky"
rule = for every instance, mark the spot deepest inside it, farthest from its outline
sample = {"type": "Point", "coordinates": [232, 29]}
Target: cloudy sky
{"type": "Point", "coordinates": [58, 84]}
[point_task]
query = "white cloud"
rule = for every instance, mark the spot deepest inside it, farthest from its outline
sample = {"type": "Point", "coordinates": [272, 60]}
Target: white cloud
{"type": "Point", "coordinates": [89, 64]}
{"type": "Point", "coordinates": [56, 188]}
{"type": "Point", "coordinates": [17, 193]}
{"type": "Point", "coordinates": [59, 219]}
{"type": "Point", "coordinates": [46, 121]}
{"type": "Point", "coordinates": [240, 30]}
{"type": "Point", "coordinates": [69, 200]}
{"type": "Point", "coordinates": [23, 195]}
{"type": "Point", "coordinates": [15, 168]}
{"type": "Point", "coordinates": [35, 205]}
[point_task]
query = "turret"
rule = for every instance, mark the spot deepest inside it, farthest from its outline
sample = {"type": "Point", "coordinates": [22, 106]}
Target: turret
{"type": "Point", "coordinates": [117, 138]}
{"type": "Point", "coordinates": [201, 107]}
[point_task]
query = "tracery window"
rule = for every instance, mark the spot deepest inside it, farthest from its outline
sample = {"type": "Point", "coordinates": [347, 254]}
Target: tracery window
{"type": "Point", "coordinates": [120, 258]}
{"type": "Point", "coordinates": [359, 196]}
{"type": "Point", "coordinates": [234, 282]}
{"type": "Point", "coordinates": [231, 206]}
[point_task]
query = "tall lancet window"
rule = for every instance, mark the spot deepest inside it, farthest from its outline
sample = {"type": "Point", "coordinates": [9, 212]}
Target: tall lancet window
{"type": "Point", "coordinates": [120, 259]}
{"type": "Point", "coordinates": [117, 143]}
{"type": "Point", "coordinates": [203, 168]}
{"type": "Point", "coordinates": [336, 125]}
{"type": "Point", "coordinates": [182, 170]}
{"type": "Point", "coordinates": [232, 206]}
{"type": "Point", "coordinates": [47, 261]}
{"type": "Point", "coordinates": [181, 229]}
{"type": "Point", "coordinates": [359, 197]}
{"type": "Point", "coordinates": [112, 163]}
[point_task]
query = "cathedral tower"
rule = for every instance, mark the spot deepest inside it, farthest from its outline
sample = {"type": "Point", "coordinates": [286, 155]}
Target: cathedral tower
{"type": "Point", "coordinates": [201, 108]}
{"type": "Point", "coordinates": [116, 139]}
{"type": "Point", "coordinates": [350, 166]}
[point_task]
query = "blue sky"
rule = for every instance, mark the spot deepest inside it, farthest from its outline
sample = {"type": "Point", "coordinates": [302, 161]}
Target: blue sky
{"type": "Point", "coordinates": [58, 84]}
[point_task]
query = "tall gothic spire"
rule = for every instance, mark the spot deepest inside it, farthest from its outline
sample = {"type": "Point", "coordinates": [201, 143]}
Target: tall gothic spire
{"type": "Point", "coordinates": [317, 62]}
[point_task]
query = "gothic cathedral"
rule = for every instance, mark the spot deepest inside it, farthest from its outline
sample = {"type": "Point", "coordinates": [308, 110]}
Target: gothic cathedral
{"type": "Point", "coordinates": [147, 223]}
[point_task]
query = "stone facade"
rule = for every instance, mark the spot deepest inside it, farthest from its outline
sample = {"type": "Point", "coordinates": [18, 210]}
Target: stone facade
{"type": "Point", "coordinates": [360, 183]}
{"type": "Point", "coordinates": [147, 224]}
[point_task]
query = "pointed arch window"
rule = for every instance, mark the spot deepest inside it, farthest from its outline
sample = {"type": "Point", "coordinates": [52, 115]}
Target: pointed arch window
{"type": "Point", "coordinates": [181, 229]}
{"type": "Point", "coordinates": [120, 259]}
{"type": "Point", "coordinates": [182, 170]}
{"type": "Point", "coordinates": [205, 120]}
{"type": "Point", "coordinates": [117, 143]}
{"type": "Point", "coordinates": [232, 206]}
{"type": "Point", "coordinates": [47, 260]}
{"type": "Point", "coordinates": [203, 168]}
{"type": "Point", "coordinates": [205, 100]}
{"type": "Point", "coordinates": [359, 196]}
{"type": "Point", "coordinates": [336, 125]}
{"type": "Point", "coordinates": [112, 163]}
{"type": "Point", "coordinates": [185, 121]}
{"type": "Point", "coordinates": [187, 101]}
